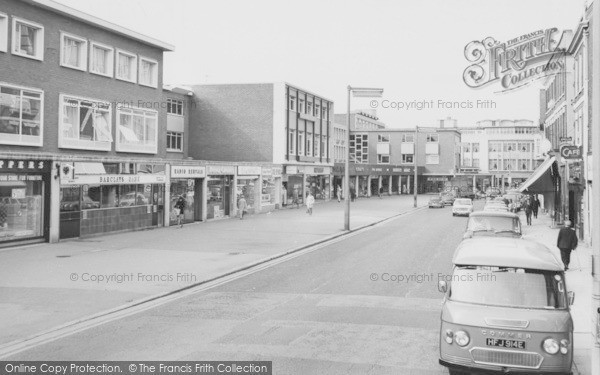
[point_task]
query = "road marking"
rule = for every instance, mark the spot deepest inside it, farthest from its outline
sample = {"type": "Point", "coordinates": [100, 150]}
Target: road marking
{"type": "Point", "coordinates": [139, 306]}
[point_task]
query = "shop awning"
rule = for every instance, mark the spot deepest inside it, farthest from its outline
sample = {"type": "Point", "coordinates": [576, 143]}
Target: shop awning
{"type": "Point", "coordinates": [541, 180]}
{"type": "Point", "coordinates": [89, 168]}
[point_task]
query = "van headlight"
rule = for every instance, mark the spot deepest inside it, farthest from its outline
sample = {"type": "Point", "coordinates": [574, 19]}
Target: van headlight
{"type": "Point", "coordinates": [551, 346]}
{"type": "Point", "coordinates": [461, 338]}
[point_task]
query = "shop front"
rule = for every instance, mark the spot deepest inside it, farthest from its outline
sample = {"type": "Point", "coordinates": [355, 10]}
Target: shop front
{"type": "Point", "coordinates": [434, 184]}
{"type": "Point", "coordinates": [248, 186]}
{"type": "Point", "coordinates": [271, 188]}
{"type": "Point", "coordinates": [98, 203]}
{"type": "Point", "coordinates": [318, 182]}
{"type": "Point", "coordinates": [219, 198]}
{"type": "Point", "coordinates": [187, 181]}
{"type": "Point", "coordinates": [24, 200]}
{"type": "Point", "coordinates": [293, 181]}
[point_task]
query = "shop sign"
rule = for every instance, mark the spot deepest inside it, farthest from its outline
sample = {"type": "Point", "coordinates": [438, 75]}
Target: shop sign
{"type": "Point", "coordinates": [246, 170]}
{"type": "Point", "coordinates": [277, 171]}
{"type": "Point", "coordinates": [319, 170]}
{"type": "Point", "coordinates": [266, 172]}
{"type": "Point", "coordinates": [21, 177]}
{"type": "Point", "coordinates": [514, 63]}
{"type": "Point", "coordinates": [188, 171]}
{"type": "Point", "coordinates": [10, 165]}
{"type": "Point", "coordinates": [291, 169]}
{"type": "Point", "coordinates": [571, 152]}
{"type": "Point", "coordinates": [115, 179]}
{"type": "Point", "coordinates": [437, 178]}
{"type": "Point", "coordinates": [18, 193]}
{"type": "Point", "coordinates": [220, 170]}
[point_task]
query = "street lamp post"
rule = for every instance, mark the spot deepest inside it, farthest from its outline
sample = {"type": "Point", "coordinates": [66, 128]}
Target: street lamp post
{"type": "Point", "coordinates": [415, 162]}
{"type": "Point", "coordinates": [364, 92]}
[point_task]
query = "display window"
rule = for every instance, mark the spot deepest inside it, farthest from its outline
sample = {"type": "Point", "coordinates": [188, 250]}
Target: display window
{"type": "Point", "coordinates": [185, 188]}
{"type": "Point", "coordinates": [295, 189]}
{"type": "Point", "coordinates": [21, 208]}
{"type": "Point", "coordinates": [218, 196]}
{"type": "Point", "coordinates": [269, 191]}
{"type": "Point", "coordinates": [89, 197]}
{"type": "Point", "coordinates": [247, 188]}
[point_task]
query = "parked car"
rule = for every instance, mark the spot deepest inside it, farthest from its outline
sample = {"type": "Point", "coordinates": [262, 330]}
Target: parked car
{"type": "Point", "coordinates": [493, 223]}
{"type": "Point", "coordinates": [506, 309]}
{"type": "Point", "coordinates": [496, 207]}
{"type": "Point", "coordinates": [462, 206]}
{"type": "Point", "coordinates": [447, 199]}
{"type": "Point", "coordinates": [436, 202]}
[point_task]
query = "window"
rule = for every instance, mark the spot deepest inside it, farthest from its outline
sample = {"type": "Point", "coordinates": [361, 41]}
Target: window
{"type": "Point", "coordinates": [383, 138]}
{"type": "Point", "coordinates": [21, 116]}
{"type": "Point", "coordinates": [292, 104]}
{"type": "Point", "coordinates": [137, 130]}
{"type": "Point", "coordinates": [466, 147]}
{"type": "Point", "coordinates": [300, 143]}
{"type": "Point", "coordinates": [309, 144]}
{"type": "Point", "coordinates": [407, 158]}
{"type": "Point", "coordinates": [101, 59]}
{"type": "Point", "coordinates": [475, 147]}
{"type": "Point", "coordinates": [292, 142]}
{"type": "Point", "coordinates": [28, 39]}
{"type": "Point", "coordinates": [317, 111]}
{"type": "Point", "coordinates": [324, 113]}
{"type": "Point", "coordinates": [73, 51]}
{"type": "Point", "coordinates": [359, 148]}
{"type": "Point", "coordinates": [175, 107]}
{"type": "Point", "coordinates": [317, 146]}
{"type": "Point", "coordinates": [432, 137]}
{"type": "Point", "coordinates": [383, 159]}
{"type": "Point", "coordinates": [3, 32]}
{"type": "Point", "coordinates": [324, 146]}
{"type": "Point", "coordinates": [408, 137]}
{"type": "Point", "coordinates": [475, 163]}
{"type": "Point", "coordinates": [467, 162]}
{"type": "Point", "coordinates": [309, 108]}
{"type": "Point", "coordinates": [126, 66]}
{"type": "Point", "coordinates": [301, 108]}
{"type": "Point", "coordinates": [494, 165]}
{"type": "Point", "coordinates": [432, 159]}
{"type": "Point", "coordinates": [148, 72]}
{"type": "Point", "coordinates": [85, 124]}
{"type": "Point", "coordinates": [174, 141]}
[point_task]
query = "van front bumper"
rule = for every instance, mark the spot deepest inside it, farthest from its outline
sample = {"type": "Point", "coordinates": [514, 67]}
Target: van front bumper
{"type": "Point", "coordinates": [478, 371]}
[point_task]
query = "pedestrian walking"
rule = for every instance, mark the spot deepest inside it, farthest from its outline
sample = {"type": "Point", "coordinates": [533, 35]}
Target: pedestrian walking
{"type": "Point", "coordinates": [566, 242]}
{"type": "Point", "coordinates": [352, 193]}
{"type": "Point", "coordinates": [295, 198]}
{"type": "Point", "coordinates": [241, 206]}
{"type": "Point", "coordinates": [339, 193]}
{"type": "Point", "coordinates": [535, 205]}
{"type": "Point", "coordinates": [528, 211]}
{"type": "Point", "coordinates": [283, 196]}
{"type": "Point", "coordinates": [180, 209]}
{"type": "Point", "coordinates": [310, 201]}
{"type": "Point", "coordinates": [380, 192]}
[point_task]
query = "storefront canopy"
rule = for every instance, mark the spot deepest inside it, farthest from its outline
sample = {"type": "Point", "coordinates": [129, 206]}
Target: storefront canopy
{"type": "Point", "coordinates": [541, 180]}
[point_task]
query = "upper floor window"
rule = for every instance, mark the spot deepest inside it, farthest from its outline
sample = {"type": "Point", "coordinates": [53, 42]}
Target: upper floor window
{"type": "Point", "coordinates": [3, 32]}
{"type": "Point", "coordinates": [407, 158]}
{"type": "Point", "coordinates": [292, 103]}
{"type": "Point", "coordinates": [408, 137]}
{"type": "Point", "coordinates": [101, 59]}
{"type": "Point", "coordinates": [301, 143]}
{"type": "Point", "coordinates": [85, 124]}
{"type": "Point", "coordinates": [317, 111]}
{"type": "Point", "coordinates": [126, 66]}
{"type": "Point", "coordinates": [28, 39]}
{"type": "Point", "coordinates": [175, 107]}
{"type": "Point", "coordinates": [148, 72]}
{"type": "Point", "coordinates": [301, 107]}
{"type": "Point", "coordinates": [309, 108]}
{"type": "Point", "coordinates": [73, 51]}
{"type": "Point", "coordinates": [324, 146]}
{"type": "Point", "coordinates": [137, 130]}
{"type": "Point", "coordinates": [475, 147]}
{"type": "Point", "coordinates": [383, 159]}
{"type": "Point", "coordinates": [432, 138]}
{"type": "Point", "coordinates": [383, 138]}
{"type": "Point", "coordinates": [324, 113]}
{"type": "Point", "coordinates": [21, 117]}
{"type": "Point", "coordinates": [174, 141]}
{"type": "Point", "coordinates": [292, 142]}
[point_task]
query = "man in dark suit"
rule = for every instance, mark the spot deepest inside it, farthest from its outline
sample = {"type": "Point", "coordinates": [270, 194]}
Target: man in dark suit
{"type": "Point", "coordinates": [567, 242]}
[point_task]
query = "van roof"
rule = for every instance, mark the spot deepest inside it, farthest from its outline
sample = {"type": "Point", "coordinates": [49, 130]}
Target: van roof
{"type": "Point", "coordinates": [506, 252]}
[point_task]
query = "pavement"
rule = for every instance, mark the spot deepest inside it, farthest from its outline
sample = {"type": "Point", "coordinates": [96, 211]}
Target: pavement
{"type": "Point", "coordinates": [579, 280]}
{"type": "Point", "coordinates": [48, 286]}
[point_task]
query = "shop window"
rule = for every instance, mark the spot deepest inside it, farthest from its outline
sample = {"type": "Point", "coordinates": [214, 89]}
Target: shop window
{"type": "Point", "coordinates": [269, 191]}
{"type": "Point", "coordinates": [28, 39]}
{"type": "Point", "coordinates": [73, 51]}
{"type": "Point", "coordinates": [137, 130]}
{"type": "Point", "coordinates": [109, 196]}
{"type": "Point", "coordinates": [148, 72]}
{"type": "Point", "coordinates": [126, 66]}
{"type": "Point", "coordinates": [85, 124]}
{"type": "Point", "coordinates": [90, 197]}
{"type": "Point", "coordinates": [21, 118]}
{"type": "Point", "coordinates": [21, 209]}
{"type": "Point", "coordinates": [101, 59]}
{"type": "Point", "coordinates": [70, 198]}
{"type": "Point", "coordinates": [132, 195]}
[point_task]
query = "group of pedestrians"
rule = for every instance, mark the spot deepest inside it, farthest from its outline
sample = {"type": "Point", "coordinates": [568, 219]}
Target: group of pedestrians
{"type": "Point", "coordinates": [531, 207]}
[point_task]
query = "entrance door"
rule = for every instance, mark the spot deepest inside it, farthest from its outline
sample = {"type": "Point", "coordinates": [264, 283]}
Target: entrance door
{"type": "Point", "coordinates": [158, 205]}
{"type": "Point", "coordinates": [70, 212]}
{"type": "Point", "coordinates": [227, 196]}
{"type": "Point", "coordinates": [198, 201]}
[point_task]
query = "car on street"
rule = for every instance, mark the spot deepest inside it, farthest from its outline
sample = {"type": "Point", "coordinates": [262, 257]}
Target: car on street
{"type": "Point", "coordinates": [493, 223]}
{"type": "Point", "coordinates": [506, 309]}
{"type": "Point", "coordinates": [495, 206]}
{"type": "Point", "coordinates": [462, 206]}
{"type": "Point", "coordinates": [447, 199]}
{"type": "Point", "coordinates": [436, 202]}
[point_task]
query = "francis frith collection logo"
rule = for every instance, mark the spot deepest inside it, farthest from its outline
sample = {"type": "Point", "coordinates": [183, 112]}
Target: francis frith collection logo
{"type": "Point", "coordinates": [514, 63]}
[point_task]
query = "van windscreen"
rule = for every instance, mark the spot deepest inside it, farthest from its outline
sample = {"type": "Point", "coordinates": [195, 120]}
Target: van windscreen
{"type": "Point", "coordinates": [507, 286]}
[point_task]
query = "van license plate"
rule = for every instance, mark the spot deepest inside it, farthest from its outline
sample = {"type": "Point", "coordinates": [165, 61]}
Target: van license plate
{"type": "Point", "coordinates": [512, 344]}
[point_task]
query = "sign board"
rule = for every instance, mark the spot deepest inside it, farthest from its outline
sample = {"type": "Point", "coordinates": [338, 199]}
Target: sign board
{"type": "Point", "coordinates": [10, 165]}
{"type": "Point", "coordinates": [188, 171]}
{"type": "Point", "coordinates": [220, 170]}
{"type": "Point", "coordinates": [566, 139]}
{"type": "Point", "coordinates": [247, 170]}
{"type": "Point", "coordinates": [115, 179]}
{"type": "Point", "coordinates": [18, 193]}
{"type": "Point", "coordinates": [571, 152]}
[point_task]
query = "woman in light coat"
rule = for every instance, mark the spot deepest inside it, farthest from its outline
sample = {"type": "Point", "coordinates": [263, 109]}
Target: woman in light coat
{"type": "Point", "coordinates": [310, 201]}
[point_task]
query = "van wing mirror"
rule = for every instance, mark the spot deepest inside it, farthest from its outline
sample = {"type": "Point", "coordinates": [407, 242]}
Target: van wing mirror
{"type": "Point", "coordinates": [442, 286]}
{"type": "Point", "coordinates": [571, 297]}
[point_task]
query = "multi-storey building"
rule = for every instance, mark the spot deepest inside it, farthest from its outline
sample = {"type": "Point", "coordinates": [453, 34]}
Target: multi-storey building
{"type": "Point", "coordinates": [82, 128]}
{"type": "Point", "coordinates": [500, 153]}
{"type": "Point", "coordinates": [278, 127]}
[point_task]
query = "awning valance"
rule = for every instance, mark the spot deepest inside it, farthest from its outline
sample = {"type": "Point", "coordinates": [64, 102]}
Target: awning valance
{"type": "Point", "coordinates": [89, 168]}
{"type": "Point", "coordinates": [541, 180]}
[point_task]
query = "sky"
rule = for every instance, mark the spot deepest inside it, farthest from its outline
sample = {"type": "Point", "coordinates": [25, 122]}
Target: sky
{"type": "Point", "coordinates": [414, 49]}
